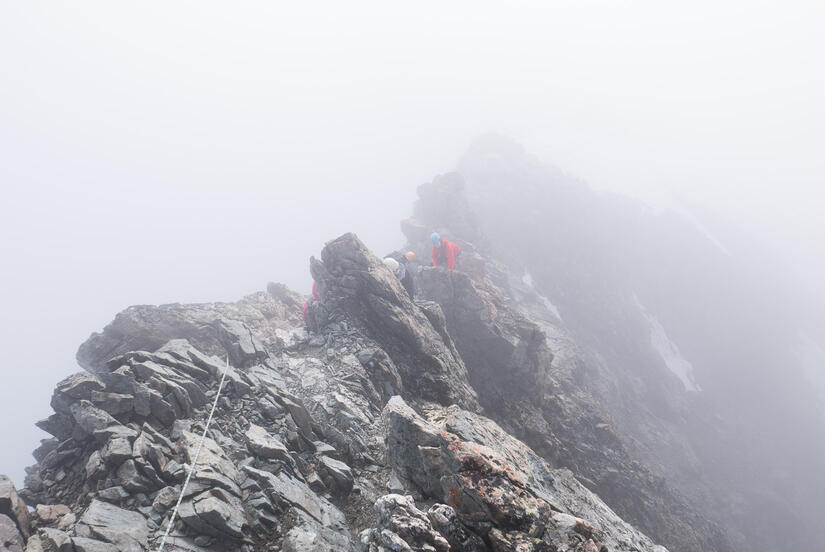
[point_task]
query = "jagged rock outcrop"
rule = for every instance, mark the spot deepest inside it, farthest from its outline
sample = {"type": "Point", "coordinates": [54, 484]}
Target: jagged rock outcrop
{"type": "Point", "coordinates": [357, 288]}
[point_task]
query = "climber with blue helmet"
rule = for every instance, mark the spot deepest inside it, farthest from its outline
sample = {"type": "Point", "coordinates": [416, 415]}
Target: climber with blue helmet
{"type": "Point", "coordinates": [444, 252]}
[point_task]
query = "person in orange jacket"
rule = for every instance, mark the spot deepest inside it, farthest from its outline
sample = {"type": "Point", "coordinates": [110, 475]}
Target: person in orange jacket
{"type": "Point", "coordinates": [444, 252]}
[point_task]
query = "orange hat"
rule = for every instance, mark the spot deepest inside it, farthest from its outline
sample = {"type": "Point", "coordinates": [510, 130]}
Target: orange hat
{"type": "Point", "coordinates": [410, 255]}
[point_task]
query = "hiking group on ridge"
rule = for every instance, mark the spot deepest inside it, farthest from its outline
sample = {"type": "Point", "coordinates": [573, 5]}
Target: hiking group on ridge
{"type": "Point", "coordinates": [444, 254]}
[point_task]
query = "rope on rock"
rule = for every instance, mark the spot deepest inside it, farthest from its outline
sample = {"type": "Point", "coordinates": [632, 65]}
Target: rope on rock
{"type": "Point", "coordinates": [195, 461]}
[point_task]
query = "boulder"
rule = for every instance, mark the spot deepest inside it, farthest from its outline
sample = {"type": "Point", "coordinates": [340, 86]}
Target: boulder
{"type": "Point", "coordinates": [339, 473]}
{"type": "Point", "coordinates": [113, 403]}
{"type": "Point", "coordinates": [131, 479]}
{"type": "Point", "coordinates": [90, 419]}
{"type": "Point", "coordinates": [61, 454]}
{"type": "Point", "coordinates": [265, 445]}
{"type": "Point", "coordinates": [413, 447]}
{"type": "Point", "coordinates": [46, 446]}
{"type": "Point", "coordinates": [116, 451]}
{"type": "Point", "coordinates": [125, 529]}
{"type": "Point", "coordinates": [50, 513]}
{"type": "Point", "coordinates": [403, 527]}
{"type": "Point", "coordinates": [214, 512]}
{"type": "Point", "coordinates": [213, 467]}
{"type": "Point", "coordinates": [55, 540]}
{"type": "Point", "coordinates": [59, 425]}
{"type": "Point", "coordinates": [78, 386]}
{"type": "Point", "coordinates": [13, 506]}
{"type": "Point", "coordinates": [165, 499]}
{"type": "Point", "coordinates": [34, 544]}
{"type": "Point", "coordinates": [95, 467]}
{"type": "Point", "coordinates": [300, 415]}
{"type": "Point", "coordinates": [90, 545]}
{"type": "Point", "coordinates": [10, 537]}
{"type": "Point", "coordinates": [114, 494]}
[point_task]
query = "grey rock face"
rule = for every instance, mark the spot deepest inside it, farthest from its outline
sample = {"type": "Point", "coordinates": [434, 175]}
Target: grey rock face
{"type": "Point", "coordinates": [498, 487]}
{"type": "Point", "coordinates": [445, 521]}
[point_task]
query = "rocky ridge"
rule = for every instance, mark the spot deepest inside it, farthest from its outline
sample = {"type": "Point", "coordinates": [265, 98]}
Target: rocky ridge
{"type": "Point", "coordinates": [367, 434]}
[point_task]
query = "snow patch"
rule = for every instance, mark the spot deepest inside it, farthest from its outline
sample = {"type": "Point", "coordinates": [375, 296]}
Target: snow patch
{"type": "Point", "coordinates": [701, 228]}
{"type": "Point", "coordinates": [669, 352]}
{"type": "Point", "coordinates": [527, 279]}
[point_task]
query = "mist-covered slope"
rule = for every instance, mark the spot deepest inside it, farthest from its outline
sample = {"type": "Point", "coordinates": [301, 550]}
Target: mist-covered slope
{"type": "Point", "coordinates": [593, 376]}
{"type": "Point", "coordinates": [702, 346]}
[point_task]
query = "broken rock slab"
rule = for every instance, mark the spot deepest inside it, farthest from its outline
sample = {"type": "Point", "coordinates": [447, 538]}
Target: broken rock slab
{"type": "Point", "coordinates": [116, 451]}
{"type": "Point", "coordinates": [265, 445]}
{"type": "Point", "coordinates": [125, 529]}
{"type": "Point", "coordinates": [78, 386]}
{"type": "Point", "coordinates": [214, 512]}
{"type": "Point", "coordinates": [287, 492]}
{"type": "Point", "coordinates": [213, 467]}
{"type": "Point", "coordinates": [337, 472]}
{"type": "Point", "coordinates": [90, 419]}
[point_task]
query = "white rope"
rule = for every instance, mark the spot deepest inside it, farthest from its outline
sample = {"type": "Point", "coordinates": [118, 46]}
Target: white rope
{"type": "Point", "coordinates": [195, 461]}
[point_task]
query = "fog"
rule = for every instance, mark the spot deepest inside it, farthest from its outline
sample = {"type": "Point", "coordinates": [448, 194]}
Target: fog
{"type": "Point", "coordinates": [194, 151]}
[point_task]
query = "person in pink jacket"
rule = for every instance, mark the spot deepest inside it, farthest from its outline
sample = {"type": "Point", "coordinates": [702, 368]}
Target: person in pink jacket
{"type": "Point", "coordinates": [314, 298]}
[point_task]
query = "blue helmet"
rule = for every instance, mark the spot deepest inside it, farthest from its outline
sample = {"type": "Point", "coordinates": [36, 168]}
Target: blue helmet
{"type": "Point", "coordinates": [435, 238]}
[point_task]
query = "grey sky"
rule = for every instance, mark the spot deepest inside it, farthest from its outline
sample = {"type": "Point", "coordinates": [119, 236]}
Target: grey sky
{"type": "Point", "coordinates": [193, 151]}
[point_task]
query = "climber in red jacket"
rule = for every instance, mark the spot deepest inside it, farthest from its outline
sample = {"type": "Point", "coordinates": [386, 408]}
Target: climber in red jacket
{"type": "Point", "coordinates": [314, 298]}
{"type": "Point", "coordinates": [444, 251]}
